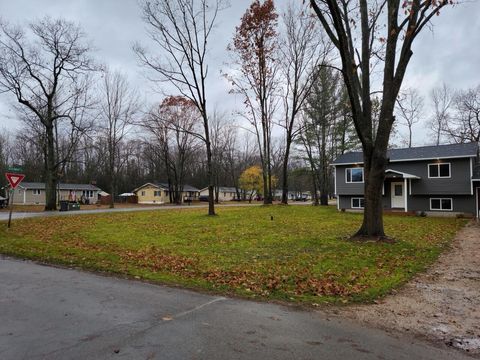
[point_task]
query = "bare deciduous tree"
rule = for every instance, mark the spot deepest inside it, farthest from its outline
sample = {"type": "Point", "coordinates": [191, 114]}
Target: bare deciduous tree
{"type": "Point", "coordinates": [410, 110]}
{"type": "Point", "coordinates": [368, 34]}
{"type": "Point", "coordinates": [464, 125]}
{"type": "Point", "coordinates": [442, 98]}
{"type": "Point", "coordinates": [174, 127]}
{"type": "Point", "coordinates": [46, 70]}
{"type": "Point", "coordinates": [254, 48]}
{"type": "Point", "coordinates": [119, 107]}
{"type": "Point", "coordinates": [302, 50]}
{"type": "Point", "coordinates": [182, 29]}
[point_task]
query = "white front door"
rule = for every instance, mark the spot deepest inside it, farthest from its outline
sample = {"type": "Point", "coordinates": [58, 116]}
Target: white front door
{"type": "Point", "coordinates": [398, 197]}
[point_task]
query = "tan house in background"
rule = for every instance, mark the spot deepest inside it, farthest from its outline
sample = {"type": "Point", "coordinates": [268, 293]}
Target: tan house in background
{"type": "Point", "coordinates": [157, 193]}
{"type": "Point", "coordinates": [33, 193]}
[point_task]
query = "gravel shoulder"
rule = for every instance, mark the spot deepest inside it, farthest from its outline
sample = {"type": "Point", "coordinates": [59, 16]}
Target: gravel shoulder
{"type": "Point", "coordinates": [442, 304]}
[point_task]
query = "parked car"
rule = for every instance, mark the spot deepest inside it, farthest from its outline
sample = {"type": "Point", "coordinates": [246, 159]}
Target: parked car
{"type": "Point", "coordinates": [301, 198]}
{"type": "Point", "coordinates": [203, 198]}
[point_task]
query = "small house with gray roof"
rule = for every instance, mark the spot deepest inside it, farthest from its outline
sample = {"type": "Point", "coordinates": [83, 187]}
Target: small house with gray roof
{"type": "Point", "coordinates": [33, 193]}
{"type": "Point", "coordinates": [431, 179]}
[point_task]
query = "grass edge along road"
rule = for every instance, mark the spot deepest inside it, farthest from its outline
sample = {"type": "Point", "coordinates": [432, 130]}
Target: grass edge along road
{"type": "Point", "coordinates": [293, 253]}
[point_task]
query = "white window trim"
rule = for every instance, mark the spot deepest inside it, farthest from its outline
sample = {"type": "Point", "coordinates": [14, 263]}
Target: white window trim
{"type": "Point", "coordinates": [359, 199]}
{"type": "Point", "coordinates": [477, 210]}
{"type": "Point", "coordinates": [355, 182]}
{"type": "Point", "coordinates": [451, 204]}
{"type": "Point", "coordinates": [438, 165]}
{"type": "Point", "coordinates": [471, 176]}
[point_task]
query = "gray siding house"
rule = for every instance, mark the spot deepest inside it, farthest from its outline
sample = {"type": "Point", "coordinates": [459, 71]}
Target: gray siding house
{"type": "Point", "coordinates": [430, 179]}
{"type": "Point", "coordinates": [33, 193]}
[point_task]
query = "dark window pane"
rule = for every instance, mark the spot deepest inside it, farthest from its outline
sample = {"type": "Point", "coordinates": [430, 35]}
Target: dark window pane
{"type": "Point", "coordinates": [398, 190]}
{"type": "Point", "coordinates": [358, 203]}
{"type": "Point", "coordinates": [444, 170]}
{"type": "Point", "coordinates": [435, 204]}
{"type": "Point", "coordinates": [349, 175]}
{"type": "Point", "coordinates": [357, 175]}
{"type": "Point", "coordinates": [433, 170]}
{"type": "Point", "coordinates": [446, 204]}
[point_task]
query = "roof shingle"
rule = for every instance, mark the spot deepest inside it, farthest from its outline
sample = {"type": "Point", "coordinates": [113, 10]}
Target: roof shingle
{"type": "Point", "coordinates": [41, 186]}
{"type": "Point", "coordinates": [417, 153]}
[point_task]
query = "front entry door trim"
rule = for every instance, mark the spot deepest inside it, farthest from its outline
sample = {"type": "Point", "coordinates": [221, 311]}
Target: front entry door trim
{"type": "Point", "coordinates": [398, 195]}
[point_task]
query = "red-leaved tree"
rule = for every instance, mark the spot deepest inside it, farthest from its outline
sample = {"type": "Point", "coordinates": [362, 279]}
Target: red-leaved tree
{"type": "Point", "coordinates": [255, 55]}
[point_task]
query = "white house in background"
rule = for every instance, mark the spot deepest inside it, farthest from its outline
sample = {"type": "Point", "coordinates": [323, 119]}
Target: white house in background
{"type": "Point", "coordinates": [224, 193]}
{"type": "Point", "coordinates": [33, 193]}
{"type": "Point", "coordinates": [292, 195]}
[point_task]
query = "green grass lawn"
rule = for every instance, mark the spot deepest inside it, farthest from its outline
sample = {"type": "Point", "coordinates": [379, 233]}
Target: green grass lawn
{"type": "Point", "coordinates": [302, 255]}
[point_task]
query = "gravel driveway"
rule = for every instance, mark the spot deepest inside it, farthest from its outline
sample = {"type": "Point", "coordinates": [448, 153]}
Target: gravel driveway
{"type": "Point", "coordinates": [442, 304]}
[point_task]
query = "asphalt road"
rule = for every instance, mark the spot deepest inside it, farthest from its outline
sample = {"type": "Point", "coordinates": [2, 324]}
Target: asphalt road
{"type": "Point", "coordinates": [52, 313]}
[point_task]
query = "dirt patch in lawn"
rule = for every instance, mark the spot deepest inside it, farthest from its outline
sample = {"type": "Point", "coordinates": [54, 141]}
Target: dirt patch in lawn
{"type": "Point", "coordinates": [442, 304]}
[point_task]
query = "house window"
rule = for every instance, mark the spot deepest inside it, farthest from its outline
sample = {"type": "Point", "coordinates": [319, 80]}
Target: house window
{"type": "Point", "coordinates": [358, 203]}
{"type": "Point", "coordinates": [88, 193]}
{"type": "Point", "coordinates": [439, 170]}
{"type": "Point", "coordinates": [398, 190]}
{"type": "Point", "coordinates": [143, 193]}
{"type": "Point", "coordinates": [37, 191]}
{"type": "Point", "coordinates": [157, 193]}
{"type": "Point", "coordinates": [441, 204]}
{"type": "Point", "coordinates": [354, 175]}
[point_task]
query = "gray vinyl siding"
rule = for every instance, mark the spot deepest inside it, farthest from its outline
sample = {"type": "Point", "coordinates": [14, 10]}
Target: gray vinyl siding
{"type": "Point", "coordinates": [458, 183]}
{"type": "Point", "coordinates": [344, 188]}
{"type": "Point", "coordinates": [27, 197]}
{"type": "Point", "coordinates": [345, 201]}
{"type": "Point", "coordinates": [461, 203]}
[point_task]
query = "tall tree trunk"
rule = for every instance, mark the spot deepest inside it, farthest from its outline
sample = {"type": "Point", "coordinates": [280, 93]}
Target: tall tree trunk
{"type": "Point", "coordinates": [315, 190]}
{"type": "Point", "coordinates": [111, 174]}
{"type": "Point", "coordinates": [323, 167]}
{"type": "Point", "coordinates": [270, 190]}
{"type": "Point", "coordinates": [112, 193]}
{"type": "Point", "coordinates": [410, 136]}
{"type": "Point", "coordinates": [374, 176]}
{"type": "Point", "coordinates": [50, 171]}
{"type": "Point", "coordinates": [210, 174]}
{"type": "Point", "coordinates": [217, 185]}
{"type": "Point", "coordinates": [285, 171]}
{"type": "Point", "coordinates": [265, 187]}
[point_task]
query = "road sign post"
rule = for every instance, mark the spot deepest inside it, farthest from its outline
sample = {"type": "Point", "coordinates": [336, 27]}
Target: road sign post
{"type": "Point", "coordinates": [14, 180]}
{"type": "Point", "coordinates": [12, 194]}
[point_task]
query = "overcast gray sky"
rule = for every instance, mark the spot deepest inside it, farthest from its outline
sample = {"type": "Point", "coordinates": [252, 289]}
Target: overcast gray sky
{"type": "Point", "coordinates": [450, 53]}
